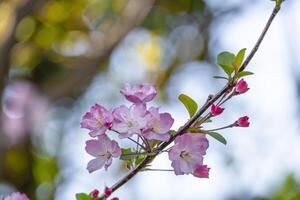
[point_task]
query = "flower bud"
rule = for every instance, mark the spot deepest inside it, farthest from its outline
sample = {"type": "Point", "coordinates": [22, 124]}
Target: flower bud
{"type": "Point", "coordinates": [95, 193]}
{"type": "Point", "coordinates": [216, 110]}
{"type": "Point", "coordinates": [243, 122]}
{"type": "Point", "coordinates": [107, 191]}
{"type": "Point", "coordinates": [241, 87]}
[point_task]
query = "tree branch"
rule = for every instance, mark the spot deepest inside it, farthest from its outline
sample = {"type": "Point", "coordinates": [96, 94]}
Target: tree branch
{"type": "Point", "coordinates": [201, 111]}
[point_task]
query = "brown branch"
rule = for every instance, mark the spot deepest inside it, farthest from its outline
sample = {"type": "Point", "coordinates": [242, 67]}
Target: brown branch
{"type": "Point", "coordinates": [201, 111]}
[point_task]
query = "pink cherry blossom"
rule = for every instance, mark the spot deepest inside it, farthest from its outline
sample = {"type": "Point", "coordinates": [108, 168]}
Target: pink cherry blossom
{"type": "Point", "coordinates": [129, 121]}
{"type": "Point", "coordinates": [187, 153]}
{"type": "Point", "coordinates": [158, 125]}
{"type": "Point", "coordinates": [202, 171]}
{"type": "Point", "coordinates": [103, 149]}
{"type": "Point", "coordinates": [98, 120]}
{"type": "Point", "coordinates": [139, 93]}
{"type": "Point", "coordinates": [243, 122]}
{"type": "Point", "coordinates": [16, 196]}
{"type": "Point", "coordinates": [241, 87]}
{"type": "Point", "coordinates": [216, 110]}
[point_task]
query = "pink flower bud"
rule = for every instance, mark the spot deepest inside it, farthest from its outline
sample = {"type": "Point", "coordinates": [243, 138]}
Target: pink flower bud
{"type": "Point", "coordinates": [241, 87]}
{"type": "Point", "coordinates": [216, 110]}
{"type": "Point", "coordinates": [95, 193]}
{"type": "Point", "coordinates": [107, 191]}
{"type": "Point", "coordinates": [115, 198]}
{"type": "Point", "coordinates": [202, 171]}
{"type": "Point", "coordinates": [243, 121]}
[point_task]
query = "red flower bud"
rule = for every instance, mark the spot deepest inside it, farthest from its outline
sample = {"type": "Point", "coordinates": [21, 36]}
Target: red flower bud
{"type": "Point", "coordinates": [243, 121]}
{"type": "Point", "coordinates": [216, 110]}
{"type": "Point", "coordinates": [107, 191]}
{"type": "Point", "coordinates": [241, 87]}
{"type": "Point", "coordinates": [115, 198]}
{"type": "Point", "coordinates": [95, 193]}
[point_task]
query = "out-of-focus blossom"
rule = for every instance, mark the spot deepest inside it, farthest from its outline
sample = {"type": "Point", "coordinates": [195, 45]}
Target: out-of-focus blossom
{"type": "Point", "coordinates": [98, 120]}
{"type": "Point", "coordinates": [243, 122]}
{"type": "Point", "coordinates": [216, 110]}
{"type": "Point", "coordinates": [202, 171]}
{"type": "Point", "coordinates": [16, 196]}
{"type": "Point", "coordinates": [129, 121]}
{"type": "Point", "coordinates": [24, 111]}
{"type": "Point", "coordinates": [158, 125]}
{"type": "Point", "coordinates": [104, 150]}
{"type": "Point", "coordinates": [241, 87]}
{"type": "Point", "coordinates": [187, 153]}
{"type": "Point", "coordinates": [139, 93]}
{"type": "Point", "coordinates": [115, 198]}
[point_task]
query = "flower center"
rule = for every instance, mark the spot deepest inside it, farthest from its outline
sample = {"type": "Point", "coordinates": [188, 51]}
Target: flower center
{"type": "Point", "coordinates": [185, 155]}
{"type": "Point", "coordinates": [106, 154]}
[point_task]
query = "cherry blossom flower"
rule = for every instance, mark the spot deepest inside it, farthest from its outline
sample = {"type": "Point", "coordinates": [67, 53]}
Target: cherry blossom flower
{"type": "Point", "coordinates": [216, 110]}
{"type": "Point", "coordinates": [187, 153]}
{"type": "Point", "coordinates": [98, 120]}
{"type": "Point", "coordinates": [202, 171]}
{"type": "Point", "coordinates": [158, 125]}
{"type": "Point", "coordinates": [129, 121]}
{"type": "Point", "coordinates": [139, 93]}
{"type": "Point", "coordinates": [243, 122]}
{"type": "Point", "coordinates": [103, 149]}
{"type": "Point", "coordinates": [241, 87]}
{"type": "Point", "coordinates": [16, 196]}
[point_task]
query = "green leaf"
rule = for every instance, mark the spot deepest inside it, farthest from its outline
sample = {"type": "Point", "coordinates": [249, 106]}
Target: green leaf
{"type": "Point", "coordinates": [218, 137]}
{"type": "Point", "coordinates": [139, 159]}
{"type": "Point", "coordinates": [239, 58]}
{"type": "Point", "coordinates": [83, 196]}
{"type": "Point", "coordinates": [244, 73]}
{"type": "Point", "coordinates": [127, 151]}
{"type": "Point", "coordinates": [189, 104]}
{"type": "Point", "coordinates": [225, 60]}
{"type": "Point", "coordinates": [220, 77]}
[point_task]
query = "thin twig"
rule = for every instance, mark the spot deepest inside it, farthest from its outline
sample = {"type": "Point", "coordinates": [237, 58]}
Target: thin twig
{"type": "Point", "coordinates": [204, 108]}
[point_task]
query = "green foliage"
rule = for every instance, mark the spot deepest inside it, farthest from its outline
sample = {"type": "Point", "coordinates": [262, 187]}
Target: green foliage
{"type": "Point", "coordinates": [289, 190]}
{"type": "Point", "coordinates": [243, 73]}
{"type": "Point", "coordinates": [83, 196]}
{"type": "Point", "coordinates": [225, 59]}
{"type": "Point", "coordinates": [218, 137]}
{"type": "Point", "coordinates": [238, 60]}
{"type": "Point", "coordinates": [221, 77]}
{"type": "Point", "coordinates": [189, 104]}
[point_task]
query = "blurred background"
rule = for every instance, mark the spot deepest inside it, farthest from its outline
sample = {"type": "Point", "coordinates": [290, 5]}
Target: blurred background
{"type": "Point", "coordinates": [59, 57]}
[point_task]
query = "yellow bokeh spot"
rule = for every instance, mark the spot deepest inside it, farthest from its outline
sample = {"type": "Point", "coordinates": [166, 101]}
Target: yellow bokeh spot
{"type": "Point", "coordinates": [150, 52]}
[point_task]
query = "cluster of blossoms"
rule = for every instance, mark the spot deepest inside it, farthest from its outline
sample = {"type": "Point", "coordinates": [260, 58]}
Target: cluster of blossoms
{"type": "Point", "coordinates": [151, 127]}
{"type": "Point", "coordinates": [137, 119]}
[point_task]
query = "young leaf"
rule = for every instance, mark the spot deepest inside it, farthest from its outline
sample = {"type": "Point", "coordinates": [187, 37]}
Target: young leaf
{"type": "Point", "coordinates": [172, 132]}
{"type": "Point", "coordinates": [83, 196]}
{"type": "Point", "coordinates": [239, 58]}
{"type": "Point", "coordinates": [244, 73]}
{"type": "Point", "coordinates": [218, 137]}
{"type": "Point", "coordinates": [220, 77]}
{"type": "Point", "coordinates": [225, 60]}
{"type": "Point", "coordinates": [189, 104]}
